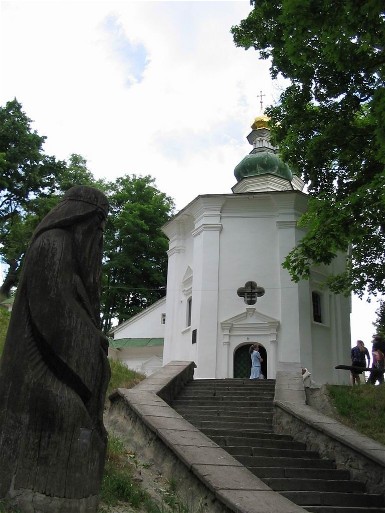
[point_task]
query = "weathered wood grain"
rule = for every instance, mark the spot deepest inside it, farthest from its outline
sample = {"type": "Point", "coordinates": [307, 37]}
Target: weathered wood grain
{"type": "Point", "coordinates": [54, 370]}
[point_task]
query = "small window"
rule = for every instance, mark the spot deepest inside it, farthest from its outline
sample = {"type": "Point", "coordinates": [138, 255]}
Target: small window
{"type": "Point", "coordinates": [317, 306]}
{"type": "Point", "coordinates": [189, 310]}
{"type": "Point", "coordinates": [163, 318]}
{"type": "Point", "coordinates": [194, 336]}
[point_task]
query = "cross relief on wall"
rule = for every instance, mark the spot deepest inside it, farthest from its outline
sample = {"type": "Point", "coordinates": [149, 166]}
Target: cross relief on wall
{"type": "Point", "coordinates": [250, 292]}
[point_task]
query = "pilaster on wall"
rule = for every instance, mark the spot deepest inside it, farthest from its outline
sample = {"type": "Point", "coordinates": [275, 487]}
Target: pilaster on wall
{"type": "Point", "coordinates": [175, 233]}
{"type": "Point", "coordinates": [296, 332]}
{"type": "Point", "coordinates": [206, 233]}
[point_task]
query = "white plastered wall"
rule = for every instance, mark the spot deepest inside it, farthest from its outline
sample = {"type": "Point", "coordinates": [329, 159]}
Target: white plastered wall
{"type": "Point", "coordinates": [227, 240]}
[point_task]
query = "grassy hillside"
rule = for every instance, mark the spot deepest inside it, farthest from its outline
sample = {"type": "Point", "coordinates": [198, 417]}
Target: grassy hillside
{"type": "Point", "coordinates": [4, 321]}
{"type": "Point", "coordinates": [361, 408]}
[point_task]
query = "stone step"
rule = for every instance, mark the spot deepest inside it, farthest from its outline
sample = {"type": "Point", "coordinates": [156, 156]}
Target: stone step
{"type": "Point", "coordinates": [283, 462]}
{"type": "Point", "coordinates": [236, 392]}
{"type": "Point", "coordinates": [226, 395]}
{"type": "Point", "coordinates": [307, 498]}
{"type": "Point", "coordinates": [215, 410]}
{"type": "Point", "coordinates": [246, 389]}
{"type": "Point", "coordinates": [223, 417]}
{"type": "Point", "coordinates": [225, 441]}
{"type": "Point", "coordinates": [231, 382]}
{"type": "Point", "coordinates": [301, 473]}
{"type": "Point", "coordinates": [246, 433]}
{"type": "Point", "coordinates": [252, 385]}
{"type": "Point", "coordinates": [219, 415]}
{"type": "Point", "coordinates": [232, 424]}
{"type": "Point", "coordinates": [272, 452]}
{"type": "Point", "coordinates": [245, 403]}
{"type": "Point", "coordinates": [344, 509]}
{"type": "Point", "coordinates": [321, 485]}
{"type": "Point", "coordinates": [233, 410]}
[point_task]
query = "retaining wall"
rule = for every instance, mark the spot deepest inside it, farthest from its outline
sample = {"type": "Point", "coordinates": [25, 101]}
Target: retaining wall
{"type": "Point", "coordinates": [362, 456]}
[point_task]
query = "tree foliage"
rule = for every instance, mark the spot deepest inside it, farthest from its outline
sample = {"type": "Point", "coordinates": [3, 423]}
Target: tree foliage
{"type": "Point", "coordinates": [27, 175]}
{"type": "Point", "coordinates": [330, 126]}
{"type": "Point", "coordinates": [25, 170]}
{"type": "Point", "coordinates": [135, 266]}
{"type": "Point", "coordinates": [380, 319]}
{"type": "Point", "coordinates": [16, 230]}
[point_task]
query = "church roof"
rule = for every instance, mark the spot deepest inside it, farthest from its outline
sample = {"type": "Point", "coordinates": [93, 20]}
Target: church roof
{"type": "Point", "coordinates": [136, 342]}
{"type": "Point", "coordinates": [263, 161]}
{"type": "Point", "coordinates": [260, 122]}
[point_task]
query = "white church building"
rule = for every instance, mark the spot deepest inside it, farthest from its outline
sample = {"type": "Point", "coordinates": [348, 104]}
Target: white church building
{"type": "Point", "coordinates": [227, 289]}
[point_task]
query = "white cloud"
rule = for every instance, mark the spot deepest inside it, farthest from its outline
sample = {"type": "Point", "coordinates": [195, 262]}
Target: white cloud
{"type": "Point", "coordinates": [71, 66]}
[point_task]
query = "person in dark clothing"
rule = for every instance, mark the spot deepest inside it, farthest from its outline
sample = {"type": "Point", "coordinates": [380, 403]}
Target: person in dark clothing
{"type": "Point", "coordinates": [378, 351]}
{"type": "Point", "coordinates": [359, 353]}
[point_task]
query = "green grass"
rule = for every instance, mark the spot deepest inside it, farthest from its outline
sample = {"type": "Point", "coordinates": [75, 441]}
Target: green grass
{"type": "Point", "coordinates": [172, 499]}
{"type": "Point", "coordinates": [119, 486]}
{"type": "Point", "coordinates": [118, 482]}
{"type": "Point", "coordinates": [4, 321]}
{"type": "Point", "coordinates": [122, 377]}
{"type": "Point", "coordinates": [7, 509]}
{"type": "Point", "coordinates": [361, 408]}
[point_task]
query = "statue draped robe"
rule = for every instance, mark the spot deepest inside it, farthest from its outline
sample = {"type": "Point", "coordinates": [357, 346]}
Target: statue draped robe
{"type": "Point", "coordinates": [53, 379]}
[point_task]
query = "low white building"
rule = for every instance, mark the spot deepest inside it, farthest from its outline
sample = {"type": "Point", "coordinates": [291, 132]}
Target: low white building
{"type": "Point", "coordinates": [138, 342]}
{"type": "Point", "coordinates": [226, 287]}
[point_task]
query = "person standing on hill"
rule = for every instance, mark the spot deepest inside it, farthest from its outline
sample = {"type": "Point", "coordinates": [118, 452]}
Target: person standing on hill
{"type": "Point", "coordinates": [378, 351]}
{"type": "Point", "coordinates": [359, 353]}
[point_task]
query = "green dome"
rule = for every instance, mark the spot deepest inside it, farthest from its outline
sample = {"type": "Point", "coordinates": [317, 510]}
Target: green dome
{"type": "Point", "coordinates": [262, 163]}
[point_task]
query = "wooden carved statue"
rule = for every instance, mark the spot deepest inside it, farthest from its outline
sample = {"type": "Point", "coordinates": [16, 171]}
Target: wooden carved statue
{"type": "Point", "coordinates": [54, 370]}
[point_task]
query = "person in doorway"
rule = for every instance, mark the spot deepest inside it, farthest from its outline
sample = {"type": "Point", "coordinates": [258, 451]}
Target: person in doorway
{"type": "Point", "coordinates": [255, 362]}
{"type": "Point", "coordinates": [359, 353]}
{"type": "Point", "coordinates": [378, 351]}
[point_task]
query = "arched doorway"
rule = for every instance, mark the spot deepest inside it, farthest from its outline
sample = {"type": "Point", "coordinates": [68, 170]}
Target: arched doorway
{"type": "Point", "coordinates": [242, 361]}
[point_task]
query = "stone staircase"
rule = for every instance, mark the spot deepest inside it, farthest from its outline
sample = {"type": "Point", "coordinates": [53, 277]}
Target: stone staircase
{"type": "Point", "coordinates": [237, 415]}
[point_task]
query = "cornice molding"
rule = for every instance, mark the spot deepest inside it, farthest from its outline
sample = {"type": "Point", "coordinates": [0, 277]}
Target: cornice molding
{"type": "Point", "coordinates": [217, 227]}
{"type": "Point", "coordinates": [286, 224]}
{"type": "Point", "coordinates": [175, 250]}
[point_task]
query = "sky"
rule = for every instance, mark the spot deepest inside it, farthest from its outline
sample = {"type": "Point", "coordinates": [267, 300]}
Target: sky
{"type": "Point", "coordinates": [147, 88]}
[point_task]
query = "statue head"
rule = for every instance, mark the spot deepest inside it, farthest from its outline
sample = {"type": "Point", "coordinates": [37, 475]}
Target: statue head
{"type": "Point", "coordinates": [78, 203]}
{"type": "Point", "coordinates": [81, 212]}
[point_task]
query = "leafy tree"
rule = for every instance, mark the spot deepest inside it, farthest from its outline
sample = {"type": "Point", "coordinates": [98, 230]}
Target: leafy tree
{"type": "Point", "coordinates": [25, 170]}
{"type": "Point", "coordinates": [330, 125]}
{"type": "Point", "coordinates": [380, 320]}
{"type": "Point", "coordinates": [134, 248]}
{"type": "Point", "coordinates": [25, 174]}
{"type": "Point", "coordinates": [17, 230]}
{"type": "Point", "coordinates": [135, 260]}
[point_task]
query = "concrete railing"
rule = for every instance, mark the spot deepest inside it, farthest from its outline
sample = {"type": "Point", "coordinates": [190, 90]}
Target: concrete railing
{"type": "Point", "coordinates": [362, 456]}
{"type": "Point", "coordinates": [207, 477]}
